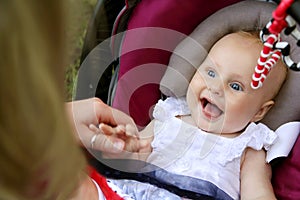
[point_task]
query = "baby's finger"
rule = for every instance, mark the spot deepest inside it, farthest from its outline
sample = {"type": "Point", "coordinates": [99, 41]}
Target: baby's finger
{"type": "Point", "coordinates": [132, 145]}
{"type": "Point", "coordinates": [131, 131]}
{"type": "Point", "coordinates": [144, 143]}
{"type": "Point", "coordinates": [120, 129]}
{"type": "Point", "coordinates": [106, 129]}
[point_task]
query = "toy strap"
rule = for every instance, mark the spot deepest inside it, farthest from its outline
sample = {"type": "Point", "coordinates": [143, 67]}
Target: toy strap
{"type": "Point", "coordinates": [274, 48]}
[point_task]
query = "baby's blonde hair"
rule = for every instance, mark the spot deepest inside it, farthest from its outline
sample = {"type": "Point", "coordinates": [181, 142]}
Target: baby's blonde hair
{"type": "Point", "coordinates": [281, 68]}
{"type": "Point", "coordinates": [39, 157]}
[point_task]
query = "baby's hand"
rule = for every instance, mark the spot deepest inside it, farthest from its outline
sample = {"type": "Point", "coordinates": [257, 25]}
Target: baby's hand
{"type": "Point", "coordinates": [125, 132]}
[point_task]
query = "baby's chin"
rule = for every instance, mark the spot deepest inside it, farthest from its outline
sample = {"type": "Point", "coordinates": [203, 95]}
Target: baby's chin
{"type": "Point", "coordinates": [219, 130]}
{"type": "Point", "coordinates": [215, 126]}
{"type": "Point", "coordinates": [212, 127]}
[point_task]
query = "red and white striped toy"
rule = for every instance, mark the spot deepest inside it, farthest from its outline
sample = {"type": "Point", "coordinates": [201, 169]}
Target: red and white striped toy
{"type": "Point", "coordinates": [274, 48]}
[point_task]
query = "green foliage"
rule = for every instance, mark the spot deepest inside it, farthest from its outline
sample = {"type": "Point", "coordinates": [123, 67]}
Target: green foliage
{"type": "Point", "coordinates": [80, 12]}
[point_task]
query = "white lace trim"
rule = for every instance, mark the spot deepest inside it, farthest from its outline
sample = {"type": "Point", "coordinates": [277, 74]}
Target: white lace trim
{"type": "Point", "coordinates": [170, 107]}
{"type": "Point", "coordinates": [256, 136]}
{"type": "Point", "coordinates": [118, 190]}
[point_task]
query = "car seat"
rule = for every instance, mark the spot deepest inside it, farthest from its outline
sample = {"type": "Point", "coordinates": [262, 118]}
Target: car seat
{"type": "Point", "coordinates": [121, 53]}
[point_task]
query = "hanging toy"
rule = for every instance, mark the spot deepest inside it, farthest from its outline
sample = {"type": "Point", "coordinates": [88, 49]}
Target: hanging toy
{"type": "Point", "coordinates": [274, 48]}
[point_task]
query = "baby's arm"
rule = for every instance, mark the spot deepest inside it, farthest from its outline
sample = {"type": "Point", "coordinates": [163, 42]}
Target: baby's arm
{"type": "Point", "coordinates": [146, 135]}
{"type": "Point", "coordinates": [256, 176]}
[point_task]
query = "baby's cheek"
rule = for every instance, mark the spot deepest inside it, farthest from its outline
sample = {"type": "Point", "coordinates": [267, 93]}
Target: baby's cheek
{"type": "Point", "coordinates": [229, 120]}
{"type": "Point", "coordinates": [235, 122]}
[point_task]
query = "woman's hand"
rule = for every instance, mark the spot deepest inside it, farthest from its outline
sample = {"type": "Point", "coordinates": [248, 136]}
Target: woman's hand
{"type": "Point", "coordinates": [83, 113]}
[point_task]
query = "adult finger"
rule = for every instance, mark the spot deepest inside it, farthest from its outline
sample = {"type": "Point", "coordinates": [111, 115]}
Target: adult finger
{"type": "Point", "coordinates": [109, 115]}
{"type": "Point", "coordinates": [99, 141]}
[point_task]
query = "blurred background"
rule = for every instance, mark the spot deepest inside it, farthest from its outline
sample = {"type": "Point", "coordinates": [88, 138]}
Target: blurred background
{"type": "Point", "coordinates": [80, 12]}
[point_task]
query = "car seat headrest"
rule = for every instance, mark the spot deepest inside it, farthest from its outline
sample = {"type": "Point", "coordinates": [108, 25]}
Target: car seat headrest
{"type": "Point", "coordinates": [190, 53]}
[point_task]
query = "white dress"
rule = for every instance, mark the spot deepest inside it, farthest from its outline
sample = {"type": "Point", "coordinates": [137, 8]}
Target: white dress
{"type": "Point", "coordinates": [191, 160]}
{"type": "Point", "coordinates": [186, 150]}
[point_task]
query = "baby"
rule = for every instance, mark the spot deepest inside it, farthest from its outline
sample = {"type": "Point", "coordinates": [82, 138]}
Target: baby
{"type": "Point", "coordinates": [201, 140]}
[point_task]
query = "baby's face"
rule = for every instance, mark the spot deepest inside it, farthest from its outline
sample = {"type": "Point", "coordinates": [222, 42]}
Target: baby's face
{"type": "Point", "coordinates": [219, 96]}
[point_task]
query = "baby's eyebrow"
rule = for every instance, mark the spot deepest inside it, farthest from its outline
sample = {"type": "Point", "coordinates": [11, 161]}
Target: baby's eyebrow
{"type": "Point", "coordinates": [211, 62]}
{"type": "Point", "coordinates": [238, 76]}
{"type": "Point", "coordinates": [242, 80]}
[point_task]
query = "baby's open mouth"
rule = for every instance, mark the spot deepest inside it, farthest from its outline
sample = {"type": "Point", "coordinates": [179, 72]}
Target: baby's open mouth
{"type": "Point", "coordinates": [209, 109]}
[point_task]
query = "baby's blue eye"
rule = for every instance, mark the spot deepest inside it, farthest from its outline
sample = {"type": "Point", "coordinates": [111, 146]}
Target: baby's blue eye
{"type": "Point", "coordinates": [211, 73]}
{"type": "Point", "coordinates": [236, 86]}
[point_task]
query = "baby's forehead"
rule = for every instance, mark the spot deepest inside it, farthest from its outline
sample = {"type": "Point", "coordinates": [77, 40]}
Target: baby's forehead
{"type": "Point", "coordinates": [242, 39]}
{"type": "Point", "coordinates": [230, 69]}
{"type": "Point", "coordinates": [235, 53]}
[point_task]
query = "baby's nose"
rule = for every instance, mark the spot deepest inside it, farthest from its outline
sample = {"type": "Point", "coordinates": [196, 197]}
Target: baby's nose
{"type": "Point", "coordinates": [216, 88]}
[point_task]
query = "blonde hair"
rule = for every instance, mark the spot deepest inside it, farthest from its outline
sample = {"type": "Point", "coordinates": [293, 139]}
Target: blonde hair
{"type": "Point", "coordinates": [39, 156]}
{"type": "Point", "coordinates": [251, 34]}
{"type": "Point", "coordinates": [280, 72]}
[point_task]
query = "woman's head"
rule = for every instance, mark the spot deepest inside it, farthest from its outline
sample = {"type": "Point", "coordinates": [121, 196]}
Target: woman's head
{"type": "Point", "coordinates": [39, 157]}
{"type": "Point", "coordinates": [220, 96]}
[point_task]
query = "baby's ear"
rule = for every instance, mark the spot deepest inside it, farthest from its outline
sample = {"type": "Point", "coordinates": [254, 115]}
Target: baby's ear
{"type": "Point", "coordinates": [263, 111]}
